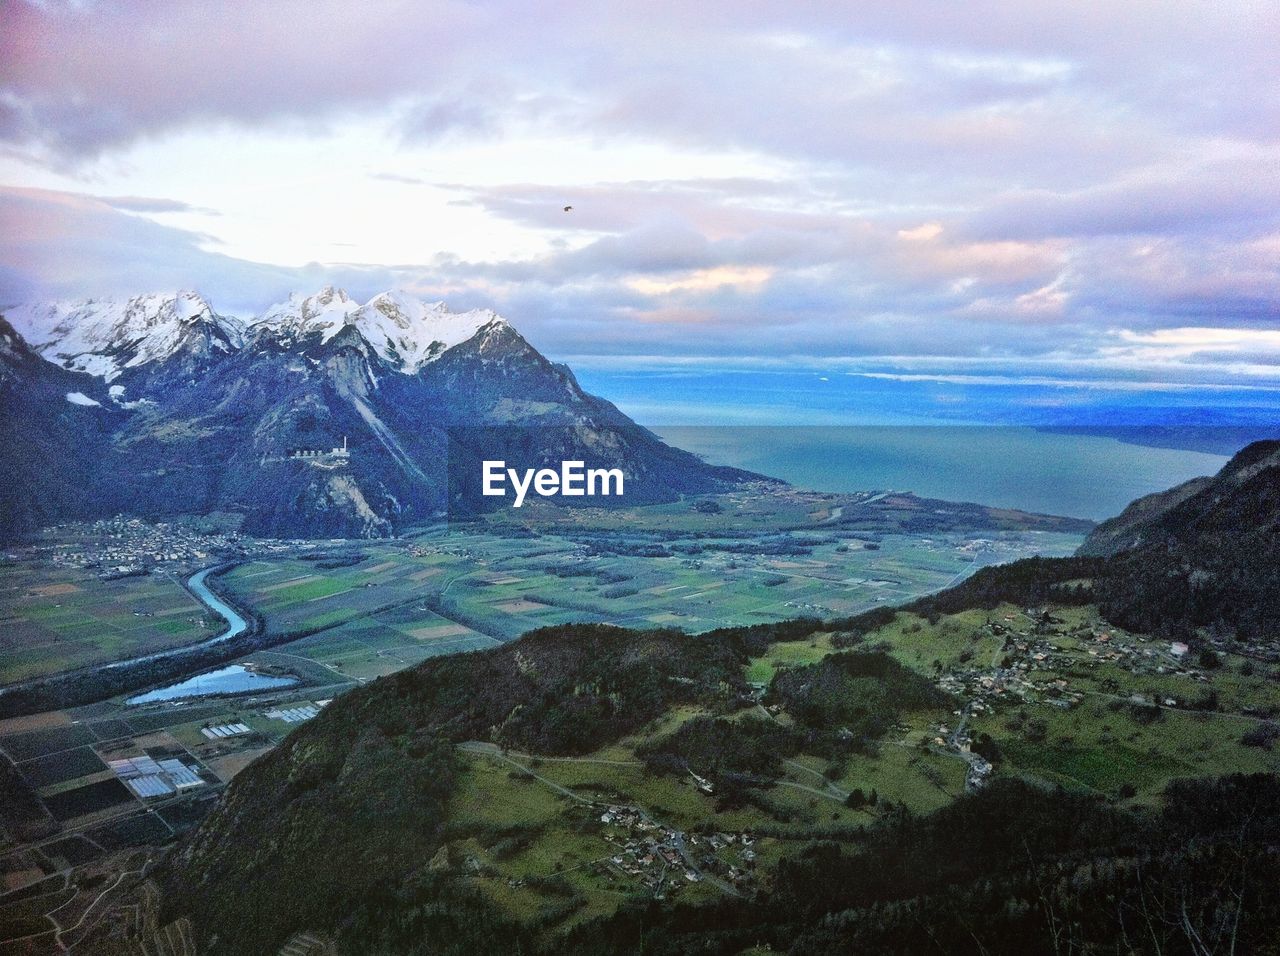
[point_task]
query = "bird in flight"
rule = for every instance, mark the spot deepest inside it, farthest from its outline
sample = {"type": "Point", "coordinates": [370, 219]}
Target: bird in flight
{"type": "Point", "coordinates": [568, 209]}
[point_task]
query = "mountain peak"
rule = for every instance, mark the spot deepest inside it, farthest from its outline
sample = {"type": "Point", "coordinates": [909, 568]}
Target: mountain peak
{"type": "Point", "coordinates": [330, 297]}
{"type": "Point", "coordinates": [403, 329]}
{"type": "Point", "coordinates": [105, 336]}
{"type": "Point", "coordinates": [191, 306]}
{"type": "Point", "coordinates": [410, 333]}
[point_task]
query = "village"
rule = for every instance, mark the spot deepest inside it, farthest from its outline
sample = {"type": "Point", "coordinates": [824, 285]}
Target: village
{"type": "Point", "coordinates": [661, 857]}
{"type": "Point", "coordinates": [1041, 660]}
{"type": "Point", "coordinates": [123, 546]}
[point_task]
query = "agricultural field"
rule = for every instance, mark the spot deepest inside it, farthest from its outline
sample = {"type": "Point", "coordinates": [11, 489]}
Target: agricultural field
{"type": "Point", "coordinates": [359, 610]}
{"type": "Point", "coordinates": [1073, 702]}
{"type": "Point", "coordinates": [54, 619]}
{"type": "Point", "coordinates": [1121, 715]}
{"type": "Point", "coordinates": [101, 817]}
{"type": "Point", "coordinates": [557, 840]}
{"type": "Point", "coordinates": [363, 611]}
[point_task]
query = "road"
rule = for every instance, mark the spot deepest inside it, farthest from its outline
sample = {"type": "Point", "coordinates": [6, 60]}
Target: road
{"type": "Point", "coordinates": [830, 791]}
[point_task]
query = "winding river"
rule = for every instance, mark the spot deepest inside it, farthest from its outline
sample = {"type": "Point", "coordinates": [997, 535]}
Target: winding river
{"type": "Point", "coordinates": [236, 625]}
{"type": "Point", "coordinates": [232, 679]}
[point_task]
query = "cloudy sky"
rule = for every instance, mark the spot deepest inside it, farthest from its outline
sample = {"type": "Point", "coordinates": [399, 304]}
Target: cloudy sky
{"type": "Point", "coordinates": [1003, 191]}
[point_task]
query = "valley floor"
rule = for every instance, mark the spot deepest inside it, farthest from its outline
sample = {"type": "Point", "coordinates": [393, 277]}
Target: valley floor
{"type": "Point", "coordinates": [1064, 698]}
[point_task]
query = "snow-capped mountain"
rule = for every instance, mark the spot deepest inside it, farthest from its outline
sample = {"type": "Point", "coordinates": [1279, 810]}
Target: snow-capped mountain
{"type": "Point", "coordinates": [324, 314]}
{"type": "Point", "coordinates": [187, 411]}
{"type": "Point", "coordinates": [104, 337]}
{"type": "Point", "coordinates": [401, 328]}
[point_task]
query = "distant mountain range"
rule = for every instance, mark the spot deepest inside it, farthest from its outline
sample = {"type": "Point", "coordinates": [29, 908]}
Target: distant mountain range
{"type": "Point", "coordinates": [109, 337]}
{"type": "Point", "coordinates": [160, 405]}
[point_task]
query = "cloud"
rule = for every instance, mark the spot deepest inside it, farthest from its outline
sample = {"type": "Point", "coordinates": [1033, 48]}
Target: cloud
{"type": "Point", "coordinates": [148, 204]}
{"type": "Point", "coordinates": [999, 84]}
{"type": "Point", "coordinates": [68, 245]}
{"type": "Point", "coordinates": [994, 181]}
{"type": "Point", "coordinates": [1197, 195]}
{"type": "Point", "coordinates": [81, 78]}
{"type": "Point", "coordinates": [401, 179]}
{"type": "Point", "coordinates": [841, 289]}
{"type": "Point", "coordinates": [1109, 384]}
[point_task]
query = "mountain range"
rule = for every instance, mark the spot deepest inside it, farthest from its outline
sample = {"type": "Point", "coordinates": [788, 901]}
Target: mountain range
{"type": "Point", "coordinates": [159, 404]}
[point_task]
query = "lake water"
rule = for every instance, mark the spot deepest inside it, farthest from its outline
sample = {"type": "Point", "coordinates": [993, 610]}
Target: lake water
{"type": "Point", "coordinates": [1080, 476]}
{"type": "Point", "coordinates": [234, 679]}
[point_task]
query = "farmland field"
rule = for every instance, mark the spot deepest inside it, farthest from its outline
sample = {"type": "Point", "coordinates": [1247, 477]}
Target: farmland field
{"type": "Point", "coordinates": [364, 611]}
{"type": "Point", "coordinates": [36, 743]}
{"type": "Point", "coordinates": [57, 768]}
{"type": "Point", "coordinates": [358, 610]}
{"type": "Point", "coordinates": [89, 799]}
{"type": "Point", "coordinates": [54, 618]}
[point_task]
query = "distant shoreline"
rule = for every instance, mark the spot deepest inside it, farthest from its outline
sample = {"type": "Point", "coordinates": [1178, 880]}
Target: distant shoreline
{"type": "Point", "coordinates": [1211, 439]}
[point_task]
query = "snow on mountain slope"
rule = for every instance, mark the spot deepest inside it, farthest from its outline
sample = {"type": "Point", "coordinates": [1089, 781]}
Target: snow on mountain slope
{"type": "Point", "coordinates": [105, 336]}
{"type": "Point", "coordinates": [300, 316]}
{"type": "Point", "coordinates": [405, 329]}
{"type": "Point", "coordinates": [401, 328]}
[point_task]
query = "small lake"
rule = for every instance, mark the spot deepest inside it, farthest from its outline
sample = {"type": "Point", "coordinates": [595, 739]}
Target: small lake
{"type": "Point", "coordinates": [234, 679]}
{"type": "Point", "coordinates": [236, 625]}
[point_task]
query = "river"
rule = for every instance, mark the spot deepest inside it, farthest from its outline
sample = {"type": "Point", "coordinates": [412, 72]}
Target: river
{"type": "Point", "coordinates": [236, 624]}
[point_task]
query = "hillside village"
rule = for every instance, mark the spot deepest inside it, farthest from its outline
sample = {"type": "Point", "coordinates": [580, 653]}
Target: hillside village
{"type": "Point", "coordinates": [1046, 661]}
